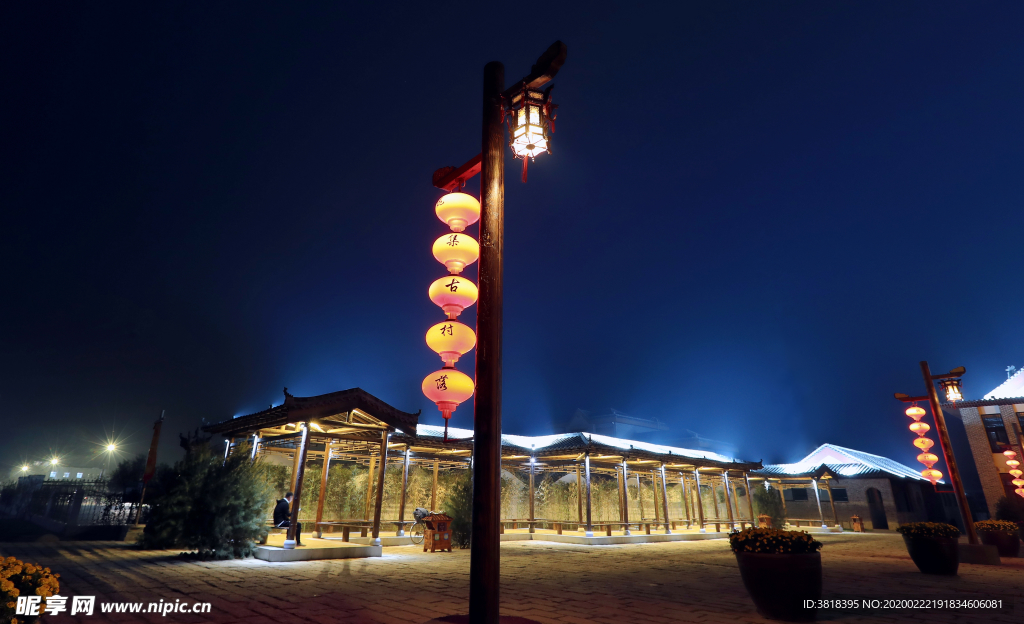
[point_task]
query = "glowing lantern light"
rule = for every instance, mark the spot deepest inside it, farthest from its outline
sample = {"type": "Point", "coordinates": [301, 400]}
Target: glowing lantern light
{"type": "Point", "coordinates": [1018, 482]}
{"type": "Point", "coordinates": [447, 388]}
{"type": "Point", "coordinates": [915, 412]}
{"type": "Point", "coordinates": [458, 210]}
{"type": "Point", "coordinates": [953, 389]}
{"type": "Point", "coordinates": [1012, 463]}
{"type": "Point", "coordinates": [932, 475]}
{"type": "Point", "coordinates": [1010, 454]}
{"type": "Point", "coordinates": [1020, 492]}
{"type": "Point", "coordinates": [456, 251]}
{"type": "Point", "coordinates": [928, 459]}
{"type": "Point", "coordinates": [920, 428]}
{"type": "Point", "coordinates": [453, 294]}
{"type": "Point", "coordinates": [1016, 473]}
{"type": "Point", "coordinates": [450, 340]}
{"type": "Point", "coordinates": [530, 124]}
{"type": "Point", "coordinates": [924, 444]}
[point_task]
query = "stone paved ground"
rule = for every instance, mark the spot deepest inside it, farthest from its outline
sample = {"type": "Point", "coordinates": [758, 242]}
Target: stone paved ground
{"type": "Point", "coordinates": [564, 583]}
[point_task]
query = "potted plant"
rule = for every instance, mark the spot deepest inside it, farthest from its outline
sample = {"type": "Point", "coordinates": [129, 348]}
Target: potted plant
{"type": "Point", "coordinates": [1000, 533]}
{"type": "Point", "coordinates": [18, 578]}
{"type": "Point", "coordinates": [932, 546]}
{"type": "Point", "coordinates": [780, 570]}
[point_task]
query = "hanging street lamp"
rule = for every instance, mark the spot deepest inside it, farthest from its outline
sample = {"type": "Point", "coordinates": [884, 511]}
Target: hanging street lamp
{"type": "Point", "coordinates": [529, 113]}
{"type": "Point", "coordinates": [951, 383]}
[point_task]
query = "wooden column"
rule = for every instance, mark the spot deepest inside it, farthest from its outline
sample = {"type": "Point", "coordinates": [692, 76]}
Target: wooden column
{"type": "Point", "coordinates": [618, 485]}
{"type": "Point", "coordinates": [639, 497]}
{"type": "Point", "coordinates": [685, 500]}
{"type": "Point", "coordinates": [579, 493]}
{"type": "Point", "coordinates": [817, 498]}
{"type": "Point", "coordinates": [255, 446]}
{"type": "Point", "coordinates": [532, 517]}
{"type": "Point", "coordinates": [736, 504]}
{"type": "Point", "coordinates": [433, 489]}
{"type": "Point", "coordinates": [401, 498]}
{"type": "Point", "coordinates": [380, 486]}
{"type": "Point", "coordinates": [664, 500]}
{"type": "Point", "coordinates": [654, 494]}
{"type": "Point", "coordinates": [323, 488]}
{"type": "Point", "coordinates": [728, 505]}
{"type": "Point", "coordinates": [782, 497]}
{"type": "Point", "coordinates": [700, 504]}
{"type": "Point", "coordinates": [369, 486]}
{"type": "Point", "coordinates": [750, 500]}
{"type": "Point", "coordinates": [832, 500]}
{"type": "Point", "coordinates": [296, 458]}
{"type": "Point", "coordinates": [625, 498]}
{"type": "Point", "coordinates": [300, 469]}
{"type": "Point", "coordinates": [590, 524]}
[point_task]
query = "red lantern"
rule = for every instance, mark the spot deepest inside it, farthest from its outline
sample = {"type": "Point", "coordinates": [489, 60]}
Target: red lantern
{"type": "Point", "coordinates": [915, 412]}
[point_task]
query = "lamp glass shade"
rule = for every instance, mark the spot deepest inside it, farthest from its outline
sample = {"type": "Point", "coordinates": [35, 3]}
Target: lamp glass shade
{"type": "Point", "coordinates": [447, 388]}
{"type": "Point", "coordinates": [953, 389]}
{"type": "Point", "coordinates": [529, 132]}
{"type": "Point", "coordinates": [915, 412]}
{"type": "Point", "coordinates": [920, 428]}
{"type": "Point", "coordinates": [450, 340]}
{"type": "Point", "coordinates": [458, 210]}
{"type": "Point", "coordinates": [932, 475]}
{"type": "Point", "coordinates": [456, 251]}
{"type": "Point", "coordinates": [453, 294]}
{"type": "Point", "coordinates": [924, 443]}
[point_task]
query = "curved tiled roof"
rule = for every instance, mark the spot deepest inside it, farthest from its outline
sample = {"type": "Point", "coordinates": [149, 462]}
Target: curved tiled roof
{"type": "Point", "coordinates": [846, 462]}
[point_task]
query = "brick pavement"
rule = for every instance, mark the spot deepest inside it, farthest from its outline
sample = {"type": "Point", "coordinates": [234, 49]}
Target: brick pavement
{"type": "Point", "coordinates": [552, 583]}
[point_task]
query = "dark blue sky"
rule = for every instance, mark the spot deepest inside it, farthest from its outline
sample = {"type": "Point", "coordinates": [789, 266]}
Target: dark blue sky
{"type": "Point", "coordinates": [757, 219]}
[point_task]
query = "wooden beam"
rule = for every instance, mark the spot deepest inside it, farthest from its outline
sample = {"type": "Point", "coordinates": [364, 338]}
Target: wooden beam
{"type": "Point", "coordinates": [579, 494]}
{"type": "Point", "coordinates": [700, 505]}
{"type": "Point", "coordinates": [685, 500]}
{"type": "Point", "coordinates": [532, 516]}
{"type": "Point", "coordinates": [832, 500]}
{"type": "Point", "coordinates": [728, 505]}
{"type": "Point", "coordinates": [300, 457]}
{"type": "Point", "coordinates": [380, 487]}
{"type": "Point", "coordinates": [369, 487]}
{"type": "Point", "coordinates": [323, 488]}
{"type": "Point", "coordinates": [625, 498]}
{"type": "Point", "coordinates": [664, 500]}
{"type": "Point", "coordinates": [401, 499]}
{"type": "Point", "coordinates": [590, 524]}
{"type": "Point", "coordinates": [750, 501]}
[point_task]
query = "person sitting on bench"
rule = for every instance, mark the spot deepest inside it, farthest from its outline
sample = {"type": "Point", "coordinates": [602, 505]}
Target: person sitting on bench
{"type": "Point", "coordinates": [282, 513]}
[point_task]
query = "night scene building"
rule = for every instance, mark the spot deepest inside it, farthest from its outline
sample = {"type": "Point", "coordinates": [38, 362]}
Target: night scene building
{"type": "Point", "coordinates": [990, 431]}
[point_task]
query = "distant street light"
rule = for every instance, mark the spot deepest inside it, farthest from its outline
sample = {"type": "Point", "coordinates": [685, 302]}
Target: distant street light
{"type": "Point", "coordinates": [24, 468]}
{"type": "Point", "coordinates": [951, 383]}
{"type": "Point", "coordinates": [54, 461]}
{"type": "Point", "coordinates": [111, 448]}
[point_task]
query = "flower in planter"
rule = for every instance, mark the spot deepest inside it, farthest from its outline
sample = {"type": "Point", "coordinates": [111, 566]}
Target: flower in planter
{"type": "Point", "coordinates": [996, 526]}
{"type": "Point", "coordinates": [773, 541]}
{"type": "Point", "coordinates": [929, 529]}
{"type": "Point", "coordinates": [17, 578]}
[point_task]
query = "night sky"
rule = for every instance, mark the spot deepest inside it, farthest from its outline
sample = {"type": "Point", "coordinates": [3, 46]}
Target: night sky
{"type": "Point", "coordinates": [756, 220]}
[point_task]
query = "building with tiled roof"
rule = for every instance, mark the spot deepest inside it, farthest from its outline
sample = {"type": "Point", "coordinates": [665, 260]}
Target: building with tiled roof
{"type": "Point", "coordinates": [882, 492]}
{"type": "Point", "coordinates": [993, 424]}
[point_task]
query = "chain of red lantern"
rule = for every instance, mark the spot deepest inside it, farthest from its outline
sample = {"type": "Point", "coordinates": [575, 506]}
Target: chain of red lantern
{"type": "Point", "coordinates": [1015, 472]}
{"type": "Point", "coordinates": [924, 444]}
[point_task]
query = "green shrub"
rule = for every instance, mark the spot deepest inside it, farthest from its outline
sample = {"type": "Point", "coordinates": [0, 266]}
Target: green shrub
{"type": "Point", "coordinates": [459, 506]}
{"type": "Point", "coordinates": [773, 541]}
{"type": "Point", "coordinates": [929, 529]}
{"type": "Point", "coordinates": [213, 506]}
{"type": "Point", "coordinates": [769, 503]}
{"type": "Point", "coordinates": [1011, 509]}
{"type": "Point", "coordinates": [18, 578]}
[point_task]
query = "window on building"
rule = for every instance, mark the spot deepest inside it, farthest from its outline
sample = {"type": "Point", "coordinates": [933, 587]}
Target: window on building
{"type": "Point", "coordinates": [823, 495]}
{"type": "Point", "coordinates": [79, 476]}
{"type": "Point", "coordinates": [67, 474]}
{"type": "Point", "coordinates": [839, 494]}
{"type": "Point", "coordinates": [996, 431]}
{"type": "Point", "coordinates": [53, 475]}
{"type": "Point", "coordinates": [796, 494]}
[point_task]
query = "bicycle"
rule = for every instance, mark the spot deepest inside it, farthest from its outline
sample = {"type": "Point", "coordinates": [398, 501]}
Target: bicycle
{"type": "Point", "coordinates": [417, 530]}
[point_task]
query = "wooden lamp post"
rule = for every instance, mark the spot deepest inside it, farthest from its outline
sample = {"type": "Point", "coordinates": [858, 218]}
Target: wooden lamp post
{"type": "Point", "coordinates": [529, 113]}
{"type": "Point", "coordinates": [951, 384]}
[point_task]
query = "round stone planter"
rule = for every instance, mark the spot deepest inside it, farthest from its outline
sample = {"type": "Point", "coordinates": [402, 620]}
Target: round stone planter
{"type": "Point", "coordinates": [934, 555]}
{"type": "Point", "coordinates": [779, 584]}
{"type": "Point", "coordinates": [1008, 544]}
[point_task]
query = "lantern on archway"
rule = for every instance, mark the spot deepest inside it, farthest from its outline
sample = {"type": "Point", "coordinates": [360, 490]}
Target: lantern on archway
{"type": "Point", "coordinates": [530, 123]}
